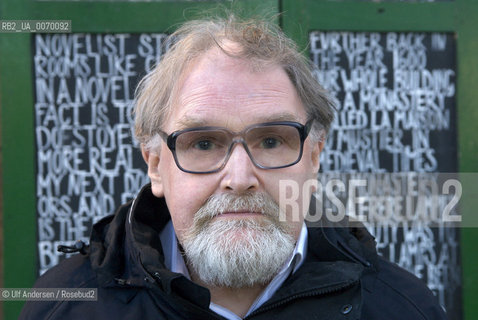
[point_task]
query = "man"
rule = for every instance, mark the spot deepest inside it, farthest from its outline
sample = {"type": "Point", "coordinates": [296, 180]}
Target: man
{"type": "Point", "coordinates": [230, 112]}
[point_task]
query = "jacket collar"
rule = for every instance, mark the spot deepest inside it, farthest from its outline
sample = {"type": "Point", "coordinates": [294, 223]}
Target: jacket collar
{"type": "Point", "coordinates": [123, 245]}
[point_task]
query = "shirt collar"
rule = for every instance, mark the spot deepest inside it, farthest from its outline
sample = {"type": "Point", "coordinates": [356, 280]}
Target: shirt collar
{"type": "Point", "coordinates": [300, 250]}
{"type": "Point", "coordinates": [173, 258]}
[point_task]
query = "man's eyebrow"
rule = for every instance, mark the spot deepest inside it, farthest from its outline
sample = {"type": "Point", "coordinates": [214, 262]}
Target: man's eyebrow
{"type": "Point", "coordinates": [190, 122]}
{"type": "Point", "coordinates": [280, 117]}
{"type": "Point", "coordinates": [193, 122]}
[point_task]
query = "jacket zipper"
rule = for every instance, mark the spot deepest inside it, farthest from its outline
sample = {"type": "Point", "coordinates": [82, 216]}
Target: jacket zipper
{"type": "Point", "coordinates": [311, 293]}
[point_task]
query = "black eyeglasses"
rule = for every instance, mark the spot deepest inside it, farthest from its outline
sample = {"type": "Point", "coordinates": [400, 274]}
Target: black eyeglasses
{"type": "Point", "coordinates": [270, 145]}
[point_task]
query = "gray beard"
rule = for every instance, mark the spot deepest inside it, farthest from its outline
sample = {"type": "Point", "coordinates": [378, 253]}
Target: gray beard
{"type": "Point", "coordinates": [237, 253]}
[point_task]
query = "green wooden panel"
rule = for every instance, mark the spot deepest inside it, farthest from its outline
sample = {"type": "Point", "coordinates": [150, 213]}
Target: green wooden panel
{"type": "Point", "coordinates": [459, 16]}
{"type": "Point", "coordinates": [17, 114]}
{"type": "Point", "coordinates": [19, 210]}
{"type": "Point", "coordinates": [467, 99]}
{"type": "Point", "coordinates": [19, 227]}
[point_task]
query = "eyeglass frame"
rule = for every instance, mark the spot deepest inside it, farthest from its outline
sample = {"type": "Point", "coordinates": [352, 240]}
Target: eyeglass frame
{"type": "Point", "coordinates": [303, 129]}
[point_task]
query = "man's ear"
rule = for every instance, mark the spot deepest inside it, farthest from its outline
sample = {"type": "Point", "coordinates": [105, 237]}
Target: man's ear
{"type": "Point", "coordinates": [152, 160]}
{"type": "Point", "coordinates": [317, 147]}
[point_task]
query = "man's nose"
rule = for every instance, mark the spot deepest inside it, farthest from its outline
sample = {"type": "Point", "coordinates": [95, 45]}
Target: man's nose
{"type": "Point", "coordinates": [240, 173]}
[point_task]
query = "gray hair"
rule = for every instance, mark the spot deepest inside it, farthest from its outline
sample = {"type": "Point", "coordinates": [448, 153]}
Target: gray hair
{"type": "Point", "coordinates": [260, 42]}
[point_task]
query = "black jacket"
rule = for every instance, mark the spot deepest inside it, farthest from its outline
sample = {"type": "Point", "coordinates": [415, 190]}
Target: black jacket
{"type": "Point", "coordinates": [342, 277]}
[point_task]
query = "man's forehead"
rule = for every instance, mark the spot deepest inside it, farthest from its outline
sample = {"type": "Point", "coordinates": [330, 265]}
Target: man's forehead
{"type": "Point", "coordinates": [214, 60]}
{"type": "Point", "coordinates": [221, 90]}
{"type": "Point", "coordinates": [192, 121]}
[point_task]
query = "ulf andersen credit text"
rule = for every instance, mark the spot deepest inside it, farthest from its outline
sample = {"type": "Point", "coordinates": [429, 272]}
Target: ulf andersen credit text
{"type": "Point", "coordinates": [48, 294]}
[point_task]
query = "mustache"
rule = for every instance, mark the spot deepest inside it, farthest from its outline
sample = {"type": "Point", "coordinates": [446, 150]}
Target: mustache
{"type": "Point", "coordinates": [218, 204]}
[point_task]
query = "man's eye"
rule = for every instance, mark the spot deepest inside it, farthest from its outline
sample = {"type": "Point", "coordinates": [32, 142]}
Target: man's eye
{"type": "Point", "coordinates": [204, 145]}
{"type": "Point", "coordinates": [269, 143]}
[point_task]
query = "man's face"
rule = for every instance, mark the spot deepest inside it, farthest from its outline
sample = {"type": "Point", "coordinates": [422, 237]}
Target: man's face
{"type": "Point", "coordinates": [218, 90]}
